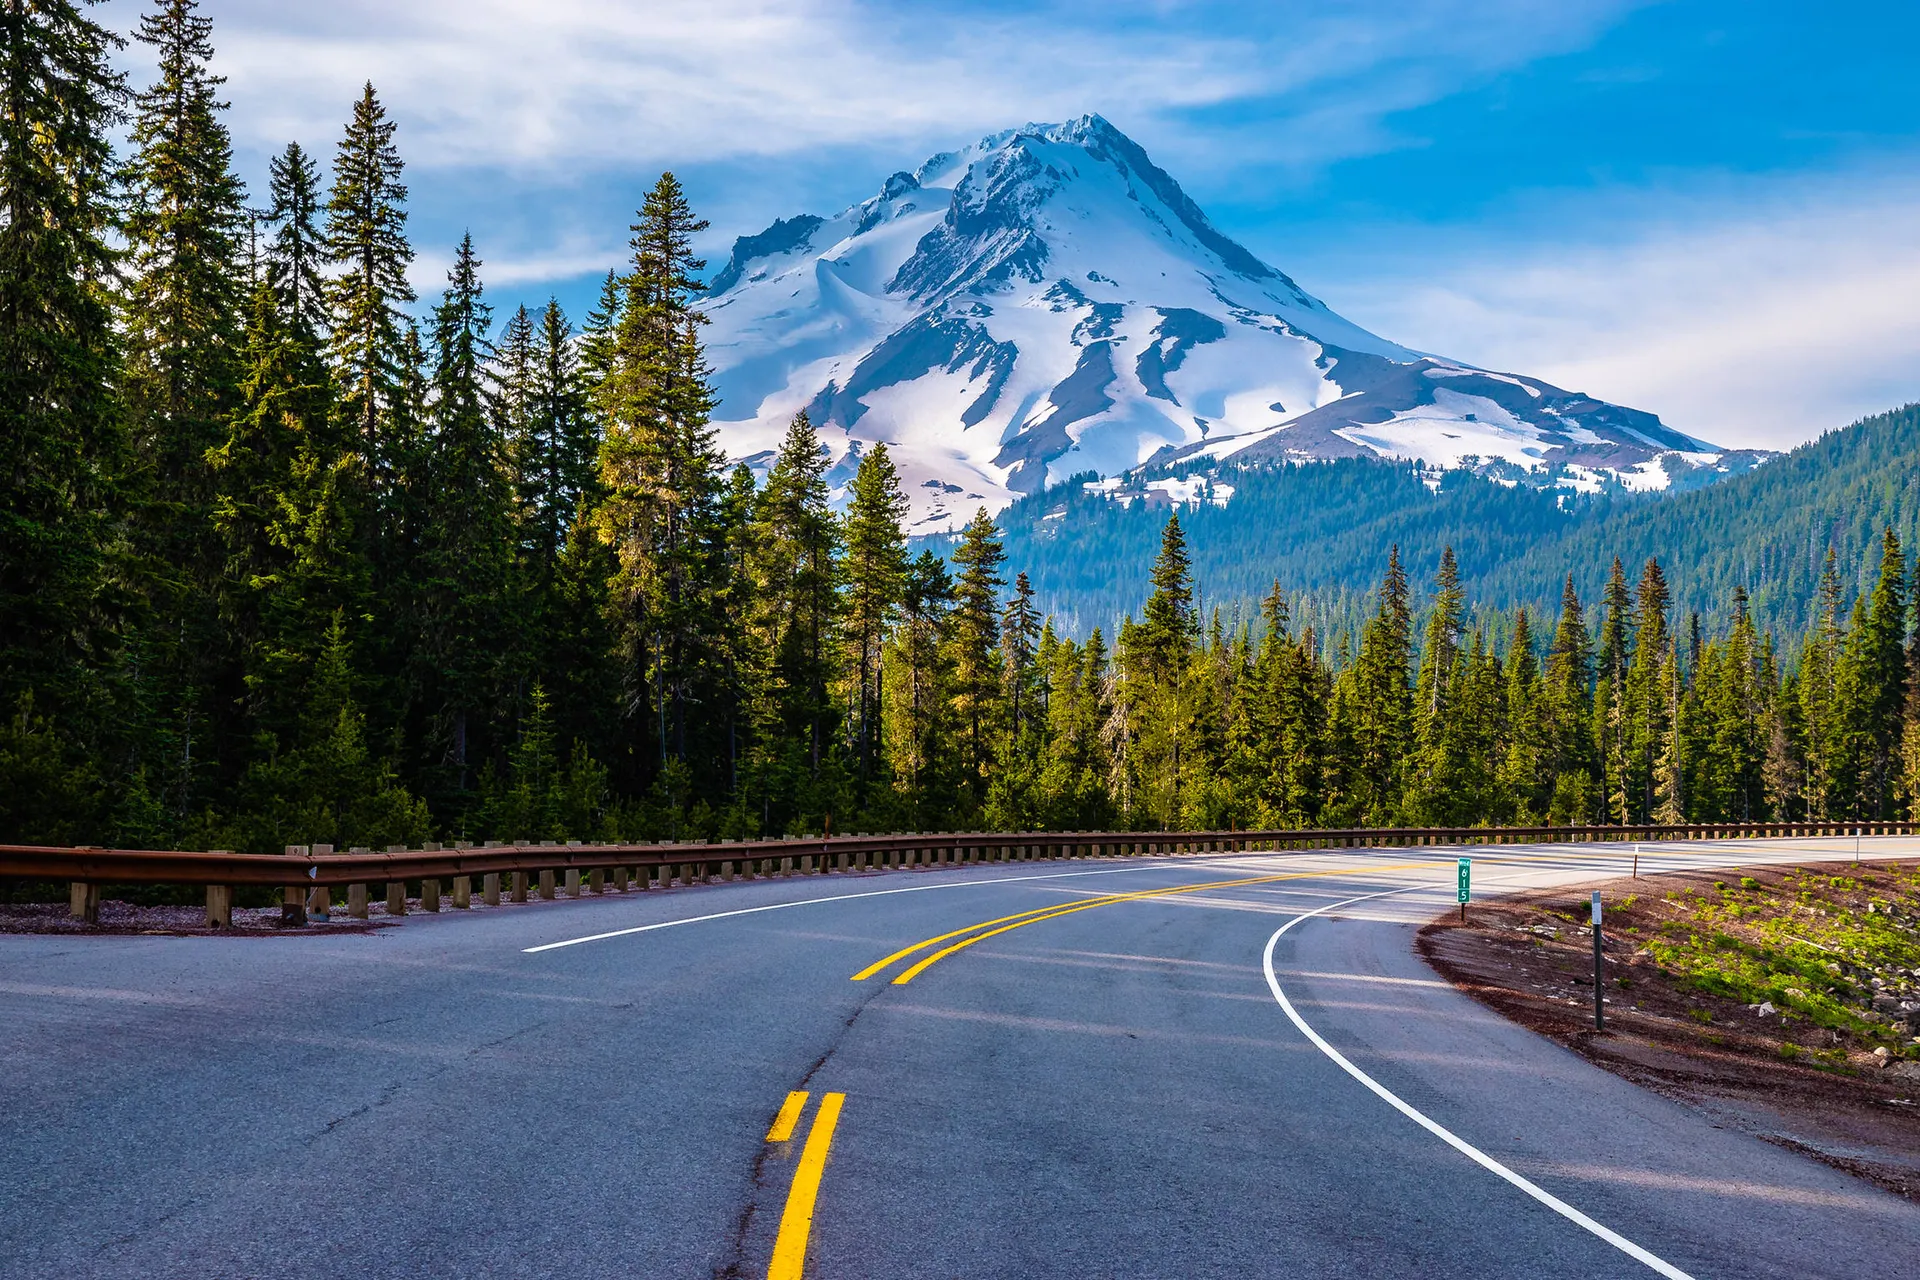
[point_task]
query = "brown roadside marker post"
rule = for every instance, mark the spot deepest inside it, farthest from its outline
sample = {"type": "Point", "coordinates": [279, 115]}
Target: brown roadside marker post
{"type": "Point", "coordinates": [1599, 969]}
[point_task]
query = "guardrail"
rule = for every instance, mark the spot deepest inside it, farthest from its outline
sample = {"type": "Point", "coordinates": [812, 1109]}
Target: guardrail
{"type": "Point", "coordinates": [307, 874]}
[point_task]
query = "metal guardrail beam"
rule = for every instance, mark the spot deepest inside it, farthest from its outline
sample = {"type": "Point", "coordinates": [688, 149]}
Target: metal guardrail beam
{"type": "Point", "coordinates": [96, 866]}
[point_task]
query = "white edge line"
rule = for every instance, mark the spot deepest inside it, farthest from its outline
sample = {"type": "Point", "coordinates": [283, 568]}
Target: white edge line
{"type": "Point", "coordinates": [1391, 851]}
{"type": "Point", "coordinates": [848, 897]}
{"type": "Point", "coordinates": [1458, 1143]}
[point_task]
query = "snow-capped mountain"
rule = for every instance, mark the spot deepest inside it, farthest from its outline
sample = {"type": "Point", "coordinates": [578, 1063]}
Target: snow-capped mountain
{"type": "Point", "coordinates": [1048, 302]}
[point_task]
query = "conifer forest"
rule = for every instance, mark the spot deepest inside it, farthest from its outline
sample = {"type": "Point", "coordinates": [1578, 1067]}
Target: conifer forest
{"type": "Point", "coordinates": [288, 554]}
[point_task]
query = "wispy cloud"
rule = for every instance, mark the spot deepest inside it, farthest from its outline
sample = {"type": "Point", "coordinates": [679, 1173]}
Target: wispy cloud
{"type": "Point", "coordinates": [554, 83]}
{"type": "Point", "coordinates": [1762, 316]}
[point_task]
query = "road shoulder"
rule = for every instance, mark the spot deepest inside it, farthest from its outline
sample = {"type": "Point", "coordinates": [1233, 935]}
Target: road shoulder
{"type": "Point", "coordinates": [1804, 1078]}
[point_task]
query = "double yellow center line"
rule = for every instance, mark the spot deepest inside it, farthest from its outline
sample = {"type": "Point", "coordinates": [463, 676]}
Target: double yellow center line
{"type": "Point", "coordinates": [796, 1222]}
{"type": "Point", "coordinates": [993, 928]}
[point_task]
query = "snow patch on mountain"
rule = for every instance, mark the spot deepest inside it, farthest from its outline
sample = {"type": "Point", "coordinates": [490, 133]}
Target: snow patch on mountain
{"type": "Point", "coordinates": [1048, 302]}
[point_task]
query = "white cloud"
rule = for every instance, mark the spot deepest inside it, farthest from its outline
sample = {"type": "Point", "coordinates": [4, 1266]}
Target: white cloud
{"type": "Point", "coordinates": [1759, 317]}
{"type": "Point", "coordinates": [545, 85]}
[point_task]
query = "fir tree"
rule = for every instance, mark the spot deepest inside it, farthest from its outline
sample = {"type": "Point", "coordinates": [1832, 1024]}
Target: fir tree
{"type": "Point", "coordinates": [1610, 708]}
{"type": "Point", "coordinates": [1822, 729]}
{"type": "Point", "coordinates": [875, 574]}
{"type": "Point", "coordinates": [275, 491]}
{"type": "Point", "coordinates": [366, 236]}
{"type": "Point", "coordinates": [183, 227]}
{"type": "Point", "coordinates": [974, 638]}
{"type": "Point", "coordinates": [297, 253]}
{"type": "Point", "coordinates": [1169, 624]}
{"type": "Point", "coordinates": [796, 579]}
{"type": "Point", "coordinates": [1566, 711]}
{"type": "Point", "coordinates": [560, 473]}
{"type": "Point", "coordinates": [463, 651]}
{"type": "Point", "coordinates": [185, 214]}
{"type": "Point", "coordinates": [331, 786]}
{"type": "Point", "coordinates": [659, 469]}
{"type": "Point", "coordinates": [1526, 773]}
{"type": "Point", "coordinates": [62, 435]}
{"type": "Point", "coordinates": [1872, 685]}
{"type": "Point", "coordinates": [1648, 693]}
{"type": "Point", "coordinates": [1381, 701]}
{"type": "Point", "coordinates": [1020, 631]}
{"type": "Point", "coordinates": [917, 742]}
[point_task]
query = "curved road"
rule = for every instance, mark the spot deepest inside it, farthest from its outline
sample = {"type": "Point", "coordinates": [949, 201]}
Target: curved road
{"type": "Point", "coordinates": [1231, 1067]}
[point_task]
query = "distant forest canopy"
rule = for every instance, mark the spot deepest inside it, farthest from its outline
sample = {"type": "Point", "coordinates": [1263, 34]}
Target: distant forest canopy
{"type": "Point", "coordinates": [1318, 527]}
{"type": "Point", "coordinates": [282, 562]}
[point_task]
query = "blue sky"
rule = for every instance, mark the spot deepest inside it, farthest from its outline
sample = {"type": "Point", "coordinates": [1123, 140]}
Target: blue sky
{"type": "Point", "coordinates": [1710, 210]}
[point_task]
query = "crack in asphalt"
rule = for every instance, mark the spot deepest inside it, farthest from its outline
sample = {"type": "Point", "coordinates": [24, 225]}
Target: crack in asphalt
{"type": "Point", "coordinates": [737, 1266]}
{"type": "Point", "coordinates": [393, 1088]}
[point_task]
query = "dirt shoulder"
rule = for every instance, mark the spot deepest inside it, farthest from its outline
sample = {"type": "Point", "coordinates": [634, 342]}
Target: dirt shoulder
{"type": "Point", "coordinates": [1784, 1001]}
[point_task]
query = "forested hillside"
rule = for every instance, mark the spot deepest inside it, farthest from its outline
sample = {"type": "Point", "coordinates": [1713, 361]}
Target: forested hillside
{"type": "Point", "coordinates": [1318, 527]}
{"type": "Point", "coordinates": [287, 556]}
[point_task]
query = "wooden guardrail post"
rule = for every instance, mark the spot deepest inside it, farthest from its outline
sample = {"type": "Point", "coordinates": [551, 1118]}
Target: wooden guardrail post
{"type": "Point", "coordinates": [293, 898]}
{"type": "Point", "coordinates": [396, 889]}
{"type": "Point", "coordinates": [357, 893]}
{"type": "Point", "coordinates": [219, 906]}
{"type": "Point", "coordinates": [547, 889]}
{"type": "Point", "coordinates": [430, 888]}
{"type": "Point", "coordinates": [462, 885]}
{"type": "Point", "coordinates": [83, 901]}
{"type": "Point", "coordinates": [320, 897]}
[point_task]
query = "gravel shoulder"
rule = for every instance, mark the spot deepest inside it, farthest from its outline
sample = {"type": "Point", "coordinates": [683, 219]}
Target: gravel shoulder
{"type": "Point", "coordinates": [1782, 1001]}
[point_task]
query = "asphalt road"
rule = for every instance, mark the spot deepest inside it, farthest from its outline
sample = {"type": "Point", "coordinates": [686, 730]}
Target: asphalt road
{"type": "Point", "coordinates": [1137, 1079]}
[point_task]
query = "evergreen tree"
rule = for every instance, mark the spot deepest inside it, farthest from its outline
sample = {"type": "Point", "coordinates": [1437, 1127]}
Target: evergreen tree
{"type": "Point", "coordinates": [366, 235]}
{"type": "Point", "coordinates": [1438, 781]}
{"type": "Point", "coordinates": [331, 786]}
{"type": "Point", "coordinates": [1734, 697]}
{"type": "Point", "coordinates": [795, 578]}
{"type": "Point", "coordinates": [556, 454]}
{"type": "Point", "coordinates": [875, 572]}
{"type": "Point", "coordinates": [1169, 624]}
{"type": "Point", "coordinates": [463, 652]}
{"type": "Point", "coordinates": [297, 254]}
{"type": "Point", "coordinates": [183, 227]}
{"type": "Point", "coordinates": [919, 742]}
{"type": "Point", "coordinates": [1381, 703]}
{"type": "Point", "coordinates": [1020, 632]}
{"type": "Point", "coordinates": [276, 491]}
{"type": "Point", "coordinates": [1649, 693]}
{"type": "Point", "coordinates": [1822, 729]}
{"type": "Point", "coordinates": [659, 471]}
{"type": "Point", "coordinates": [1566, 715]}
{"type": "Point", "coordinates": [1872, 686]}
{"type": "Point", "coordinates": [185, 214]}
{"type": "Point", "coordinates": [1610, 708]}
{"type": "Point", "coordinates": [1526, 773]}
{"type": "Point", "coordinates": [974, 638]}
{"type": "Point", "coordinates": [62, 434]}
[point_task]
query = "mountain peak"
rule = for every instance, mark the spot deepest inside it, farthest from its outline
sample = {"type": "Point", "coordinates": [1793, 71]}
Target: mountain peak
{"type": "Point", "coordinates": [1048, 301]}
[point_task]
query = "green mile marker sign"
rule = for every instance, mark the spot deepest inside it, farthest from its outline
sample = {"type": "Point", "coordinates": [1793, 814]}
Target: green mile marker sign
{"type": "Point", "coordinates": [1466, 879]}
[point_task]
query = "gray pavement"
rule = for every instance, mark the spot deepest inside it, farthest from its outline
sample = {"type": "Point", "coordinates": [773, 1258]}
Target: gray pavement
{"type": "Point", "coordinates": [1112, 1092]}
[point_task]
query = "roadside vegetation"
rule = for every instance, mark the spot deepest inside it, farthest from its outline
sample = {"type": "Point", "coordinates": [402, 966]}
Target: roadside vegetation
{"type": "Point", "coordinates": [1786, 1000]}
{"type": "Point", "coordinates": [1835, 952]}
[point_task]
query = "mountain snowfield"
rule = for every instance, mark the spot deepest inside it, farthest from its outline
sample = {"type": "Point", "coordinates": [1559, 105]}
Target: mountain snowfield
{"type": "Point", "coordinates": [1048, 302]}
